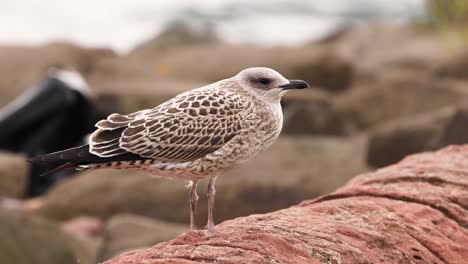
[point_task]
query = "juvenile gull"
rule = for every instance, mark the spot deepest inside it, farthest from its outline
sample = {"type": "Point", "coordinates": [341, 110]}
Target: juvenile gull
{"type": "Point", "coordinates": [195, 135]}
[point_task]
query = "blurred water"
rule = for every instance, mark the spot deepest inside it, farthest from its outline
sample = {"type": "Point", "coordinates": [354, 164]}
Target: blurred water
{"type": "Point", "coordinates": [122, 24]}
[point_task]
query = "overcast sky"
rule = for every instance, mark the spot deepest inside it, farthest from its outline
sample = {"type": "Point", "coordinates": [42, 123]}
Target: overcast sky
{"type": "Point", "coordinates": [121, 24]}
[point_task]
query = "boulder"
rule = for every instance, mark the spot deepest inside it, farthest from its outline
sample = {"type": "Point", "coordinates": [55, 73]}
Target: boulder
{"type": "Point", "coordinates": [312, 117]}
{"type": "Point", "coordinates": [456, 130]}
{"type": "Point", "coordinates": [290, 171]}
{"type": "Point", "coordinates": [14, 173]}
{"type": "Point", "coordinates": [411, 212]}
{"type": "Point", "coordinates": [328, 71]}
{"type": "Point", "coordinates": [372, 49]}
{"type": "Point", "coordinates": [454, 67]}
{"type": "Point", "coordinates": [24, 66]}
{"type": "Point", "coordinates": [394, 140]}
{"type": "Point", "coordinates": [399, 95]}
{"type": "Point", "coordinates": [27, 239]}
{"type": "Point", "coordinates": [125, 232]}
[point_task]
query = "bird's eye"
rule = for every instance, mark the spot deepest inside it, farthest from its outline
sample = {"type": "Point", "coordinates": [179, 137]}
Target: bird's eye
{"type": "Point", "coordinates": [264, 81]}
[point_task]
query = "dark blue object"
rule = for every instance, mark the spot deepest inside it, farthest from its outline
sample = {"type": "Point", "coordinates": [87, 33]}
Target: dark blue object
{"type": "Point", "coordinates": [52, 116]}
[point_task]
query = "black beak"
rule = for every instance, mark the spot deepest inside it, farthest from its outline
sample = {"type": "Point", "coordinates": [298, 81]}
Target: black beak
{"type": "Point", "coordinates": [295, 84]}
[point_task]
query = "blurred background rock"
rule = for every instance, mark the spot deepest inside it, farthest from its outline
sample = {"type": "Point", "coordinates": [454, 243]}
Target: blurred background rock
{"type": "Point", "coordinates": [389, 78]}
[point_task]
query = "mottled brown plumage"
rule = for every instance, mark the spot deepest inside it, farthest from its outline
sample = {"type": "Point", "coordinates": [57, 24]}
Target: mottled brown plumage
{"type": "Point", "coordinates": [197, 134]}
{"type": "Point", "coordinates": [183, 129]}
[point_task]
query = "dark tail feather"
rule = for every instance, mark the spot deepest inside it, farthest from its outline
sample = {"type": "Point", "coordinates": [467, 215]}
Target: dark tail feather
{"type": "Point", "coordinates": [63, 160]}
{"type": "Point", "coordinates": [71, 158]}
{"type": "Point", "coordinates": [77, 154]}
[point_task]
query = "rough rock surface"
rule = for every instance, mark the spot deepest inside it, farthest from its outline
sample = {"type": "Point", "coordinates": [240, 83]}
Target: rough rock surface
{"type": "Point", "coordinates": [411, 212]}
{"type": "Point", "coordinates": [290, 171]}
{"type": "Point", "coordinates": [14, 172]}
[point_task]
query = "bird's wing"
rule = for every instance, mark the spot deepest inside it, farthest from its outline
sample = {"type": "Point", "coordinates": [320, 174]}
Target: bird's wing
{"type": "Point", "coordinates": [184, 128]}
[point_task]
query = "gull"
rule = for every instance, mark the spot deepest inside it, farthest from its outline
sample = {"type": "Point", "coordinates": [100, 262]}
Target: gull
{"type": "Point", "coordinates": [198, 134]}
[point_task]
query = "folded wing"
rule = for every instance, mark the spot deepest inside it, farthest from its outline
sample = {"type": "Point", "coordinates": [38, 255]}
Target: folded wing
{"type": "Point", "coordinates": [184, 128]}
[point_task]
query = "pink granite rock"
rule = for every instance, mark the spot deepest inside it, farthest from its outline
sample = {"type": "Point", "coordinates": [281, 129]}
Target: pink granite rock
{"type": "Point", "coordinates": [413, 212]}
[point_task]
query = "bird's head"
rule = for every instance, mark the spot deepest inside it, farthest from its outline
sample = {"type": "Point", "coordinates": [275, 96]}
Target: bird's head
{"type": "Point", "coordinates": [267, 83]}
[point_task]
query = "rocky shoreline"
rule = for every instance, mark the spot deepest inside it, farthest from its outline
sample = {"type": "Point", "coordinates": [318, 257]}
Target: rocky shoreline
{"type": "Point", "coordinates": [379, 94]}
{"type": "Point", "coordinates": [411, 212]}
